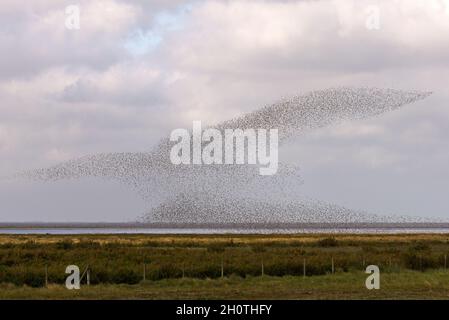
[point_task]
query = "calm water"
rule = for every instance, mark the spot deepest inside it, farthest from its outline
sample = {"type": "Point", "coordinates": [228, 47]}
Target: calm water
{"type": "Point", "coordinates": [215, 231]}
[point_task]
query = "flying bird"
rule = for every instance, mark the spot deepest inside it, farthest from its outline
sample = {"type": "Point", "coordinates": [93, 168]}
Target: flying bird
{"type": "Point", "coordinates": [225, 193]}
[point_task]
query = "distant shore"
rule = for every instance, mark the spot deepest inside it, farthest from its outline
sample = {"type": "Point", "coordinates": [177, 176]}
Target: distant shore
{"type": "Point", "coordinates": [164, 225]}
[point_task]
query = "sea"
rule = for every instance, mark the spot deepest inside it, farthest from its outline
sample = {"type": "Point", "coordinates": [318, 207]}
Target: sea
{"type": "Point", "coordinates": [135, 228]}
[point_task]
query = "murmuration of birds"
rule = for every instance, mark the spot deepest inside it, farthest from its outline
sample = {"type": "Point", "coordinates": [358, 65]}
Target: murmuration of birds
{"type": "Point", "coordinates": [237, 193]}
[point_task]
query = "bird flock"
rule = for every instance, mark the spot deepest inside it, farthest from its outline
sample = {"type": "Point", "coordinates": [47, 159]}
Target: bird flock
{"type": "Point", "coordinates": [220, 193]}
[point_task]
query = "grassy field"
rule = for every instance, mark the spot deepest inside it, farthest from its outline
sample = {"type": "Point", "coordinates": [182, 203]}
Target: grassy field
{"type": "Point", "coordinates": [405, 285]}
{"type": "Point", "coordinates": [225, 266]}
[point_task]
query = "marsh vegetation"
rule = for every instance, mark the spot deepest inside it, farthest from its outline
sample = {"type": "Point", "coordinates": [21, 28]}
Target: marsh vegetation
{"type": "Point", "coordinates": [158, 261]}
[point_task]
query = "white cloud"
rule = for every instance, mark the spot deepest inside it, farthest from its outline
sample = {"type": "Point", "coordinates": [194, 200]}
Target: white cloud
{"type": "Point", "coordinates": [67, 93]}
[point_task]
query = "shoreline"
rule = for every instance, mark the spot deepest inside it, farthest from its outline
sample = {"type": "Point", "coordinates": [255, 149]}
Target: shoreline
{"type": "Point", "coordinates": [249, 226]}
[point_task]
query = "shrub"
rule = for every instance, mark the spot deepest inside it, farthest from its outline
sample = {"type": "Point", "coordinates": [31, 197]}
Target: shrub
{"type": "Point", "coordinates": [327, 242]}
{"type": "Point", "coordinates": [64, 245]}
{"type": "Point", "coordinates": [420, 246]}
{"type": "Point", "coordinates": [419, 261]}
{"type": "Point", "coordinates": [259, 248]}
{"type": "Point", "coordinates": [86, 244]}
{"type": "Point", "coordinates": [216, 247]}
{"type": "Point", "coordinates": [167, 271]}
{"type": "Point", "coordinates": [127, 276]}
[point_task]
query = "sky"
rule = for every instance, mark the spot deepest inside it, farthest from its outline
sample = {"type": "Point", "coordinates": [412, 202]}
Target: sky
{"type": "Point", "coordinates": [132, 71]}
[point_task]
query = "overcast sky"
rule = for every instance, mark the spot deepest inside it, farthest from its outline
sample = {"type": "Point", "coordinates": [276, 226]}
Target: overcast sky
{"type": "Point", "coordinates": [135, 70]}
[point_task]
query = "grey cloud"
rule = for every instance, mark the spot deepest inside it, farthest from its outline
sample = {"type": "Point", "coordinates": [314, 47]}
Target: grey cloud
{"type": "Point", "coordinates": [153, 94]}
{"type": "Point", "coordinates": [230, 57]}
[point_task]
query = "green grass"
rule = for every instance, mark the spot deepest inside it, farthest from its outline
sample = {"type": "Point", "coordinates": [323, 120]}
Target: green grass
{"type": "Point", "coordinates": [189, 266]}
{"type": "Point", "coordinates": [404, 285]}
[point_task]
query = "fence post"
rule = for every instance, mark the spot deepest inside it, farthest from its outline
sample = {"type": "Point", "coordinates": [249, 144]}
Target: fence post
{"type": "Point", "coordinates": [88, 277]}
{"type": "Point", "coordinates": [263, 271]}
{"type": "Point", "coordinates": [222, 269]}
{"type": "Point", "coordinates": [144, 272]}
